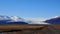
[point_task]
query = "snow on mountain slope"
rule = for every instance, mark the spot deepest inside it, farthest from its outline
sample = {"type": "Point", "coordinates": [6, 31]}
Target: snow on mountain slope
{"type": "Point", "coordinates": [54, 20]}
{"type": "Point", "coordinates": [11, 20]}
{"type": "Point", "coordinates": [16, 19]}
{"type": "Point", "coordinates": [4, 18]}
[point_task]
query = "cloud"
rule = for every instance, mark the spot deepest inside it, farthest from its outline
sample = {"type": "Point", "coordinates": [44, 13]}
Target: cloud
{"type": "Point", "coordinates": [36, 19]}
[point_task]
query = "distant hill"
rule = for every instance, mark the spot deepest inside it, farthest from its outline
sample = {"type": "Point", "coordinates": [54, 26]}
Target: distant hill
{"type": "Point", "coordinates": [55, 20]}
{"type": "Point", "coordinates": [4, 22]}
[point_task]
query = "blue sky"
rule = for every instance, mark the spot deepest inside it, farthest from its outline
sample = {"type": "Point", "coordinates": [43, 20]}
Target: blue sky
{"type": "Point", "coordinates": [30, 8]}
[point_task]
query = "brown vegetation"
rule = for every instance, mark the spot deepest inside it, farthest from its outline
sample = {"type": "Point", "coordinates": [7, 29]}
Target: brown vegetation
{"type": "Point", "coordinates": [29, 29]}
{"type": "Point", "coordinates": [57, 26]}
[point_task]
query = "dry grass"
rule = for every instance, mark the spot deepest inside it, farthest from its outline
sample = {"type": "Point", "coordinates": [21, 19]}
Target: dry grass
{"type": "Point", "coordinates": [29, 29]}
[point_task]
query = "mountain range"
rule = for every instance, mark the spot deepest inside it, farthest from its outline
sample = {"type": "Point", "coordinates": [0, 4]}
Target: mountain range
{"type": "Point", "coordinates": [11, 20]}
{"type": "Point", "coordinates": [18, 20]}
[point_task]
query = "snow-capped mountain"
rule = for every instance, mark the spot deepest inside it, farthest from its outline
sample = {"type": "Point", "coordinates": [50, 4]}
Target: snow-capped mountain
{"type": "Point", "coordinates": [11, 20]}
{"type": "Point", "coordinates": [4, 18]}
{"type": "Point", "coordinates": [54, 20]}
{"type": "Point", "coordinates": [16, 19]}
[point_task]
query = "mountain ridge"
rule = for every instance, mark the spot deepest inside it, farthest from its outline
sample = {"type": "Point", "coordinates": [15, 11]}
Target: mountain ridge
{"type": "Point", "coordinates": [55, 20]}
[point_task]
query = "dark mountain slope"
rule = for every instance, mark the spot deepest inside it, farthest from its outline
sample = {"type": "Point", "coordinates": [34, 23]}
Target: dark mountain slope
{"type": "Point", "coordinates": [53, 20]}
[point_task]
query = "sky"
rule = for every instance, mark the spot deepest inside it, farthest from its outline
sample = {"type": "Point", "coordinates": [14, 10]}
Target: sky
{"type": "Point", "coordinates": [30, 8]}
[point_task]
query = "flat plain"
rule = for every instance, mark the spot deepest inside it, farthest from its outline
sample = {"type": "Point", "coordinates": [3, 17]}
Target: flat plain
{"type": "Point", "coordinates": [29, 29]}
